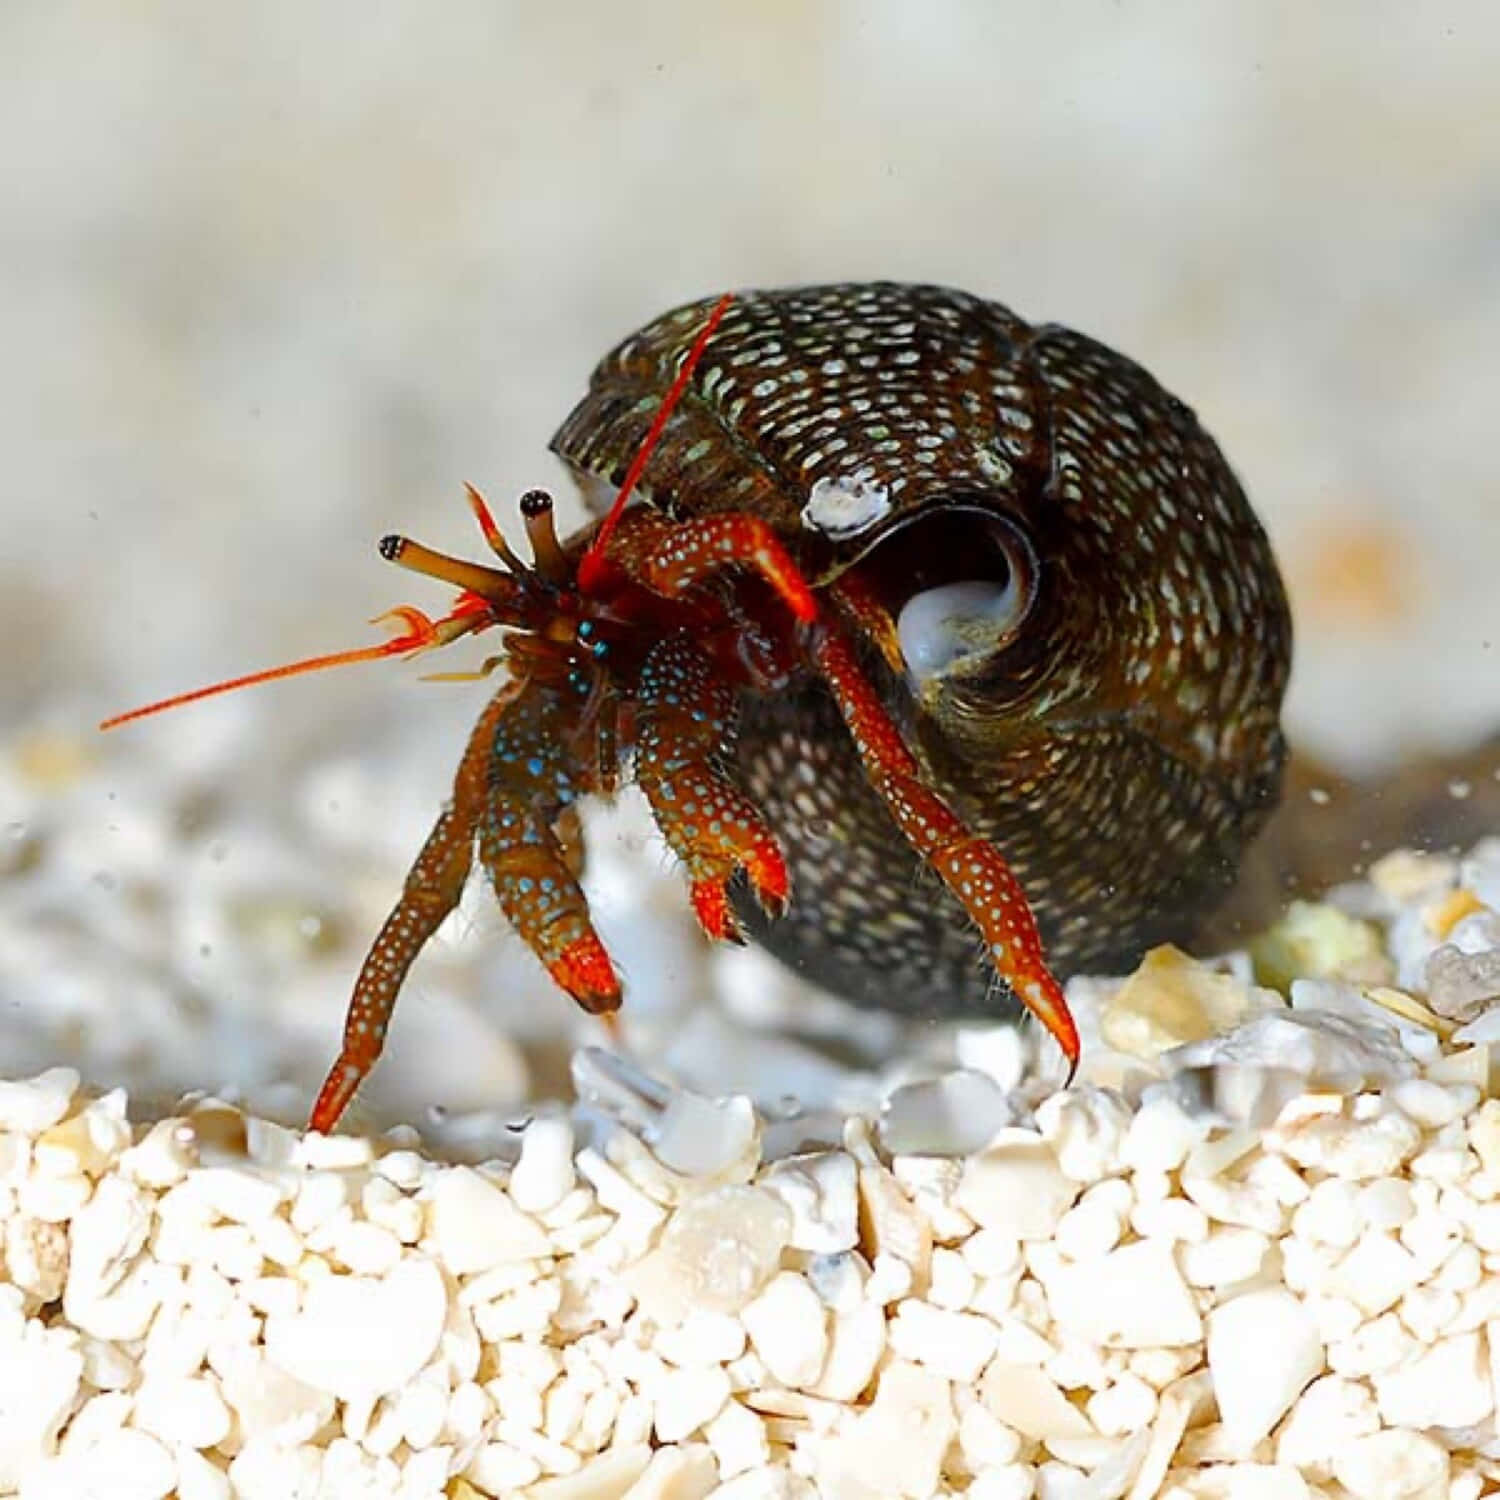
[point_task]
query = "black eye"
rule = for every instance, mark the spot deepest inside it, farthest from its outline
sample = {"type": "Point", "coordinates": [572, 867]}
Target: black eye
{"type": "Point", "coordinates": [958, 581]}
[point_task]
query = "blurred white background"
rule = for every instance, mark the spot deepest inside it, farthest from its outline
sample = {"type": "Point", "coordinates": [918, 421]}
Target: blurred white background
{"type": "Point", "coordinates": [276, 279]}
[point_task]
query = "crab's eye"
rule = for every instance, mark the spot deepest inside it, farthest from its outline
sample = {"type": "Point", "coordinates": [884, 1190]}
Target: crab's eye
{"type": "Point", "coordinates": [958, 581]}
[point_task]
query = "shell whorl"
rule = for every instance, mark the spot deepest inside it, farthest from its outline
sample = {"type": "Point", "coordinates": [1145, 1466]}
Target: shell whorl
{"type": "Point", "coordinates": [1121, 750]}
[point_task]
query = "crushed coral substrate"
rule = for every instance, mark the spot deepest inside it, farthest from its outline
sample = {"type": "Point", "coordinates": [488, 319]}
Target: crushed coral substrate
{"type": "Point", "coordinates": [1255, 1252]}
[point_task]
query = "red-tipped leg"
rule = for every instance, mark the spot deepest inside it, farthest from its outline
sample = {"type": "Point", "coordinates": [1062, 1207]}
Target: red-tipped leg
{"type": "Point", "coordinates": [544, 903]}
{"type": "Point", "coordinates": [972, 869]}
{"type": "Point", "coordinates": [672, 558]}
{"type": "Point", "coordinates": [533, 776]}
{"type": "Point", "coordinates": [432, 891]}
{"type": "Point", "coordinates": [685, 722]}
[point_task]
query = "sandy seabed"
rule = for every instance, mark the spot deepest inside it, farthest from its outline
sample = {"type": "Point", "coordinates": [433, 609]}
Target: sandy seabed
{"type": "Point", "coordinates": [1254, 1251]}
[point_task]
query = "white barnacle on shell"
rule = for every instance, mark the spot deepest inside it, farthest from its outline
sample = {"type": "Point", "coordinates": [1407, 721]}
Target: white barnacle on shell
{"type": "Point", "coordinates": [844, 507]}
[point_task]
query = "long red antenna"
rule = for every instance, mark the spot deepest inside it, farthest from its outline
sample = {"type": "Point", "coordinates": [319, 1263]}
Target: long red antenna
{"type": "Point", "coordinates": [420, 634]}
{"type": "Point", "coordinates": [591, 566]}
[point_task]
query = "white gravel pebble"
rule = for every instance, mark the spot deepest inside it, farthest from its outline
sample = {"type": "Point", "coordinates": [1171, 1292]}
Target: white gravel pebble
{"type": "Point", "coordinates": [1329, 1413]}
{"type": "Point", "coordinates": [357, 1336]}
{"type": "Point", "coordinates": [787, 1324]}
{"type": "Point", "coordinates": [857, 1340]}
{"type": "Point", "coordinates": [957, 1345]}
{"type": "Point", "coordinates": [1446, 1385]}
{"type": "Point", "coordinates": [40, 1370]}
{"type": "Point", "coordinates": [1160, 1134]}
{"type": "Point", "coordinates": [706, 1138]}
{"type": "Point", "coordinates": [954, 1115]}
{"type": "Point", "coordinates": [703, 1338]}
{"type": "Point", "coordinates": [28, 1106]}
{"type": "Point", "coordinates": [107, 1233]}
{"type": "Point", "coordinates": [1125, 1406]}
{"type": "Point", "coordinates": [822, 1191]}
{"type": "Point", "coordinates": [717, 1252]}
{"type": "Point", "coordinates": [1376, 1273]}
{"type": "Point", "coordinates": [1393, 1465]}
{"type": "Point", "coordinates": [1224, 1257]}
{"type": "Point", "coordinates": [1088, 1229]}
{"type": "Point", "coordinates": [1026, 1398]}
{"type": "Point", "coordinates": [1323, 1048]}
{"type": "Point", "coordinates": [1132, 1298]}
{"type": "Point", "coordinates": [1263, 1350]}
{"type": "Point", "coordinates": [1084, 1126]}
{"type": "Point", "coordinates": [1015, 1185]}
{"type": "Point", "coordinates": [271, 1403]}
{"type": "Point", "coordinates": [543, 1175]}
{"type": "Point", "coordinates": [475, 1226]}
{"type": "Point", "coordinates": [186, 1411]}
{"type": "Point", "coordinates": [120, 1465]}
{"type": "Point", "coordinates": [896, 1446]}
{"type": "Point", "coordinates": [1170, 1219]}
{"type": "Point", "coordinates": [200, 1479]}
{"type": "Point", "coordinates": [685, 1399]}
{"type": "Point", "coordinates": [737, 1438]}
{"type": "Point", "coordinates": [263, 1471]}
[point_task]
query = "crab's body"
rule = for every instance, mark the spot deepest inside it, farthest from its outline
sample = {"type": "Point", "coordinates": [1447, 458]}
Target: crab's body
{"type": "Point", "coordinates": [908, 581]}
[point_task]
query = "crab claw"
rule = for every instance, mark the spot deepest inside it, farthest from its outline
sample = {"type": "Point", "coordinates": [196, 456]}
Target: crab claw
{"type": "Point", "coordinates": [711, 905]}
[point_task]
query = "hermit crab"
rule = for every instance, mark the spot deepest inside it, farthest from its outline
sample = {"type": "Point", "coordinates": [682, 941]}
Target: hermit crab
{"type": "Point", "coordinates": [887, 584]}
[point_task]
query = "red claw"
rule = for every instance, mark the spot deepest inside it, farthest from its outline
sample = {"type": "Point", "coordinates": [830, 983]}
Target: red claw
{"type": "Point", "coordinates": [763, 864]}
{"type": "Point", "coordinates": [1041, 994]}
{"type": "Point", "coordinates": [767, 870]}
{"type": "Point", "coordinates": [716, 917]}
{"type": "Point", "coordinates": [585, 972]}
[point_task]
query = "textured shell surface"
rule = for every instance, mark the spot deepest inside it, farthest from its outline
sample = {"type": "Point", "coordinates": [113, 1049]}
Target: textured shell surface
{"type": "Point", "coordinates": [1121, 744]}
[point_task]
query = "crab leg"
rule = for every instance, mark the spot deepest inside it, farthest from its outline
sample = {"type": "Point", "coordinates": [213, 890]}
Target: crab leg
{"type": "Point", "coordinates": [686, 718]}
{"type": "Point", "coordinates": [531, 781]}
{"type": "Point", "coordinates": [971, 867]}
{"type": "Point", "coordinates": [432, 890]}
{"type": "Point", "coordinates": [671, 558]}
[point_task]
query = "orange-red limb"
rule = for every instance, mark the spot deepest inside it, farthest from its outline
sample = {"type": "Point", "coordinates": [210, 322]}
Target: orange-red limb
{"type": "Point", "coordinates": [672, 558]}
{"type": "Point", "coordinates": [546, 905]}
{"type": "Point", "coordinates": [432, 890]}
{"type": "Point", "coordinates": [534, 774]}
{"type": "Point", "coordinates": [859, 604]}
{"type": "Point", "coordinates": [971, 867]}
{"type": "Point", "coordinates": [686, 719]}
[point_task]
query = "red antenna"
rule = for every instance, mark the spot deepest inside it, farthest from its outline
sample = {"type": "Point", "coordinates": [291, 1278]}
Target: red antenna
{"type": "Point", "coordinates": [591, 566]}
{"type": "Point", "coordinates": [420, 634]}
